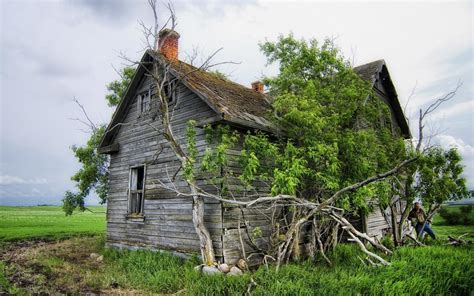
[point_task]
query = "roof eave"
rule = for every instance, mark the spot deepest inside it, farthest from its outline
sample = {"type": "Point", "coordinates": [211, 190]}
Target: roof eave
{"type": "Point", "coordinates": [114, 122]}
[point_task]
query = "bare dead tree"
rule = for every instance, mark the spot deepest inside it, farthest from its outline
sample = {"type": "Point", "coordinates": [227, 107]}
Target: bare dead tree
{"type": "Point", "coordinates": [404, 189]}
{"type": "Point", "coordinates": [92, 127]}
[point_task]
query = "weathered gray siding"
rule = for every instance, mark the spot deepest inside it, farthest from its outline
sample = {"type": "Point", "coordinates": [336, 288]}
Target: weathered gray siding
{"type": "Point", "coordinates": [258, 218]}
{"type": "Point", "coordinates": [376, 223]}
{"type": "Point", "coordinates": [168, 218]}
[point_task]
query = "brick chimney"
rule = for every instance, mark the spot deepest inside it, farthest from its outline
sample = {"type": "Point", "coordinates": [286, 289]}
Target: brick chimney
{"type": "Point", "coordinates": [257, 86]}
{"type": "Point", "coordinates": [168, 43]}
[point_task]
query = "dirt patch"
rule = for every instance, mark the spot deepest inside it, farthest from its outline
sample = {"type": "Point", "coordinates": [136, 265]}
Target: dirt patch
{"type": "Point", "coordinates": [59, 267]}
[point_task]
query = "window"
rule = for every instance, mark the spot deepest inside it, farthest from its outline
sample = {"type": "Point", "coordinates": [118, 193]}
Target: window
{"type": "Point", "coordinates": [143, 102]}
{"type": "Point", "coordinates": [136, 191]}
{"type": "Point", "coordinates": [169, 91]}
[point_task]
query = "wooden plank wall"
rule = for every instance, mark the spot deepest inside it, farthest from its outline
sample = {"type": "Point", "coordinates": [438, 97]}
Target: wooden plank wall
{"type": "Point", "coordinates": [377, 224]}
{"type": "Point", "coordinates": [258, 218]}
{"type": "Point", "coordinates": [168, 218]}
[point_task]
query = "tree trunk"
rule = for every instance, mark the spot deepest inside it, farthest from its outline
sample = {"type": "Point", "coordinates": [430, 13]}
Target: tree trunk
{"type": "Point", "coordinates": [395, 226]}
{"type": "Point", "coordinates": [402, 220]}
{"type": "Point", "coordinates": [205, 240]}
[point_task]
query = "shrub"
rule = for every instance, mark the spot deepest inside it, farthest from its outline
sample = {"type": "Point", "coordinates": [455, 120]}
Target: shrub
{"type": "Point", "coordinates": [452, 216]}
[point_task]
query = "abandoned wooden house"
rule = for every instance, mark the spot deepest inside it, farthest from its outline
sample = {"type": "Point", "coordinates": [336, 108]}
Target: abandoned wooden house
{"type": "Point", "coordinates": [142, 214]}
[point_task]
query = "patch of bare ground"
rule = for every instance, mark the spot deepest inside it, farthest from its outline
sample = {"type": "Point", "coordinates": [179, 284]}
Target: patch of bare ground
{"type": "Point", "coordinates": [60, 267]}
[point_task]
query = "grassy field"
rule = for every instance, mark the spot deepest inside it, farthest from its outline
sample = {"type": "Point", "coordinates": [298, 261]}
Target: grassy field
{"type": "Point", "coordinates": [48, 222]}
{"type": "Point", "coordinates": [66, 267]}
{"type": "Point", "coordinates": [443, 230]}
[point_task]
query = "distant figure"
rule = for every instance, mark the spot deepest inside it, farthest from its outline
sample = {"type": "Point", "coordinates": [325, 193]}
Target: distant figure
{"type": "Point", "coordinates": [420, 216]}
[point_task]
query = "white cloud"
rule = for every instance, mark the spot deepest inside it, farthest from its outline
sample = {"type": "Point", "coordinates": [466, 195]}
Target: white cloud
{"type": "Point", "coordinates": [466, 151]}
{"type": "Point", "coordinates": [8, 180]}
{"type": "Point", "coordinates": [448, 141]}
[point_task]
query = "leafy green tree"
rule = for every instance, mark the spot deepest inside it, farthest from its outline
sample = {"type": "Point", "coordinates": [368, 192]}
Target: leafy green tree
{"type": "Point", "coordinates": [117, 88]}
{"type": "Point", "coordinates": [439, 178]}
{"type": "Point", "coordinates": [337, 131]}
{"type": "Point", "coordinates": [93, 175]}
{"type": "Point", "coordinates": [334, 132]}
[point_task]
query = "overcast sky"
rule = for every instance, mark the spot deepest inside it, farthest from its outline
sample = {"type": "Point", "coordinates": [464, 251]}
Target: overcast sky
{"type": "Point", "coordinates": [52, 51]}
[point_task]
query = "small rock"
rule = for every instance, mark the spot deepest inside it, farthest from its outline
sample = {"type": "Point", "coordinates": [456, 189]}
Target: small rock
{"type": "Point", "coordinates": [224, 268]}
{"type": "Point", "coordinates": [234, 270]}
{"type": "Point", "coordinates": [94, 255]}
{"type": "Point", "coordinates": [100, 258]}
{"type": "Point", "coordinates": [199, 268]}
{"type": "Point", "coordinates": [242, 264]}
{"type": "Point", "coordinates": [210, 270]}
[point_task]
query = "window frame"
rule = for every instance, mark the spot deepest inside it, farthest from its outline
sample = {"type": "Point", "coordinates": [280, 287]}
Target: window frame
{"type": "Point", "coordinates": [166, 86]}
{"type": "Point", "coordinates": [140, 100]}
{"type": "Point", "coordinates": [141, 214]}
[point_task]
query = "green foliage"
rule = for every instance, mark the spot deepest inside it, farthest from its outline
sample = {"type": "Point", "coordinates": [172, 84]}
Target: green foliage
{"type": "Point", "coordinates": [337, 131]}
{"type": "Point", "coordinates": [439, 176]}
{"type": "Point", "coordinates": [453, 216]}
{"type": "Point", "coordinates": [219, 74]}
{"type": "Point", "coordinates": [192, 150]}
{"type": "Point", "coordinates": [215, 159]}
{"type": "Point", "coordinates": [93, 175]}
{"type": "Point", "coordinates": [117, 88]}
{"type": "Point", "coordinates": [388, 242]}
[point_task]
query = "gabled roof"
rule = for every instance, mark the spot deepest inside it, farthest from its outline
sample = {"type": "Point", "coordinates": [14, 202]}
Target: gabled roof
{"type": "Point", "coordinates": [378, 71]}
{"type": "Point", "coordinates": [370, 70]}
{"type": "Point", "coordinates": [235, 103]}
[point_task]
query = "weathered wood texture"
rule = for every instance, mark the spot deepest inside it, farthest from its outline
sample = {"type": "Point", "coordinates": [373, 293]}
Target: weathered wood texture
{"type": "Point", "coordinates": [247, 228]}
{"type": "Point", "coordinates": [377, 224]}
{"type": "Point", "coordinates": [167, 222]}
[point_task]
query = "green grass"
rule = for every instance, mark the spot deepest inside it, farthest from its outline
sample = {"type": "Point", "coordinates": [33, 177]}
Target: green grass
{"type": "Point", "coordinates": [434, 270]}
{"type": "Point", "coordinates": [455, 231]}
{"type": "Point", "coordinates": [48, 222]}
{"type": "Point", "coordinates": [443, 230]}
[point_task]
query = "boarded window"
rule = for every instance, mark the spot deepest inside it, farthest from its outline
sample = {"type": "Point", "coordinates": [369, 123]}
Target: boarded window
{"type": "Point", "coordinates": [136, 190]}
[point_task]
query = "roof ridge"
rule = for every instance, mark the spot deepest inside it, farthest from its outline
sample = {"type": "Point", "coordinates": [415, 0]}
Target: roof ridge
{"type": "Point", "coordinates": [200, 69]}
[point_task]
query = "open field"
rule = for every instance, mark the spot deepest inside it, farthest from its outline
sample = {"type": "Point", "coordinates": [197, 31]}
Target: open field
{"type": "Point", "coordinates": [48, 222]}
{"type": "Point", "coordinates": [65, 266]}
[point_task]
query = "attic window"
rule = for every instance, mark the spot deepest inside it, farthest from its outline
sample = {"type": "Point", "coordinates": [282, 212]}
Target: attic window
{"type": "Point", "coordinates": [136, 191]}
{"type": "Point", "coordinates": [169, 91]}
{"type": "Point", "coordinates": [143, 102]}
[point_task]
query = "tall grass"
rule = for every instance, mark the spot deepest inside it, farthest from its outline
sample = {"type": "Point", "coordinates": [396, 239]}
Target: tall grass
{"type": "Point", "coordinates": [436, 270]}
